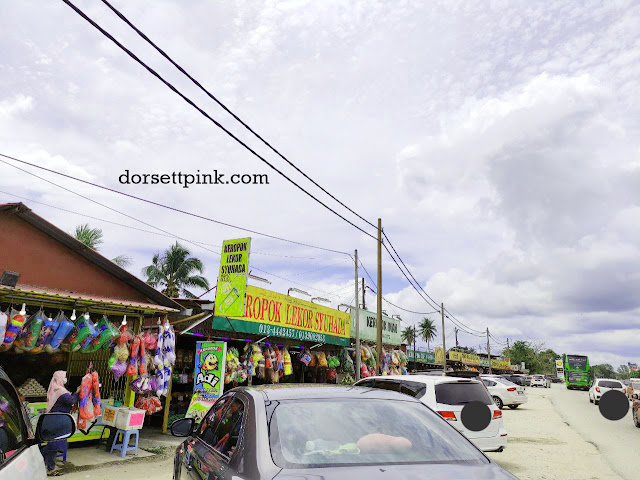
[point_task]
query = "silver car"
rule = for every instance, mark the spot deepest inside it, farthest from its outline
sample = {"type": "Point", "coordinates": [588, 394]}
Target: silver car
{"type": "Point", "coordinates": [329, 432]}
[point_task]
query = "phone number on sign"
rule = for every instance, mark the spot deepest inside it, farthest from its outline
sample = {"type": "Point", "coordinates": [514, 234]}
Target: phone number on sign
{"type": "Point", "coordinates": [291, 333]}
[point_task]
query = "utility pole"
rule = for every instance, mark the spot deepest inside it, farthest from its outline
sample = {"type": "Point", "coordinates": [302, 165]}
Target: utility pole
{"type": "Point", "coordinates": [379, 313]}
{"type": "Point", "coordinates": [508, 349]}
{"type": "Point", "coordinates": [357, 320]}
{"type": "Point", "coordinates": [444, 346]}
{"type": "Point", "coordinates": [415, 355]}
{"type": "Point", "coordinates": [489, 350]}
{"type": "Point", "coordinates": [456, 330]}
{"type": "Point", "coordinates": [364, 302]}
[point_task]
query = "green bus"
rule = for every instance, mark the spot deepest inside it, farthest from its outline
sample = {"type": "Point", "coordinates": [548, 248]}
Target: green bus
{"type": "Point", "coordinates": [577, 373]}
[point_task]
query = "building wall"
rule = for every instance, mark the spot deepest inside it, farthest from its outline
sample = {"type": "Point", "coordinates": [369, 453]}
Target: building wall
{"type": "Point", "coordinates": [43, 261]}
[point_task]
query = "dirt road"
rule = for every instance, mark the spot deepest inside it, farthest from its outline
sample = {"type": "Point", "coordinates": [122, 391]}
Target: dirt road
{"type": "Point", "coordinates": [543, 446]}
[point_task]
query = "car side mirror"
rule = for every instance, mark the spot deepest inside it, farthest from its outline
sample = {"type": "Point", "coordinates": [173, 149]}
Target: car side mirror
{"type": "Point", "coordinates": [55, 426]}
{"type": "Point", "coordinates": [183, 427]}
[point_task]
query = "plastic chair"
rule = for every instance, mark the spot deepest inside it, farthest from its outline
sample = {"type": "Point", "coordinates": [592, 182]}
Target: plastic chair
{"type": "Point", "coordinates": [62, 453]}
{"type": "Point", "coordinates": [123, 445]}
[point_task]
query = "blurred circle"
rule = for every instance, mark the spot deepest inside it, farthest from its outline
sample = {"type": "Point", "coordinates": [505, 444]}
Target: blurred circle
{"type": "Point", "coordinates": [614, 405]}
{"type": "Point", "coordinates": [475, 416]}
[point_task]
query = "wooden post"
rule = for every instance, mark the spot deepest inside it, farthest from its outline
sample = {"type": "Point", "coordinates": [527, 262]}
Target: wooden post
{"type": "Point", "coordinates": [167, 404]}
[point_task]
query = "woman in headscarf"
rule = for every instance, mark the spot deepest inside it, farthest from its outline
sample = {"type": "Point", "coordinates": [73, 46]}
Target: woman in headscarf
{"type": "Point", "coordinates": [59, 400]}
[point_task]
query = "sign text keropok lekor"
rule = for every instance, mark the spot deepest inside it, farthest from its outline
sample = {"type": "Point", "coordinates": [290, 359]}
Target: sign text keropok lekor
{"type": "Point", "coordinates": [278, 310]}
{"type": "Point", "coordinates": [232, 279]}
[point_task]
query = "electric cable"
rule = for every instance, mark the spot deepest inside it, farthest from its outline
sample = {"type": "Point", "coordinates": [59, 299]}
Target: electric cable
{"type": "Point", "coordinates": [201, 217]}
{"type": "Point", "coordinates": [214, 98]}
{"type": "Point", "coordinates": [206, 115]}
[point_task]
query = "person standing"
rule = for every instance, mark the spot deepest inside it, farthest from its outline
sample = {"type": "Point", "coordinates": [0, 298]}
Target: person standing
{"type": "Point", "coordinates": [59, 400]}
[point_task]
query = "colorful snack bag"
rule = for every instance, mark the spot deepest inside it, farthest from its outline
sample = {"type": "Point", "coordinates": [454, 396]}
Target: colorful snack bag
{"type": "Point", "coordinates": [86, 330]}
{"type": "Point", "coordinates": [106, 332]}
{"type": "Point", "coordinates": [65, 326]}
{"type": "Point", "coordinates": [32, 330]}
{"type": "Point", "coordinates": [14, 325]}
{"type": "Point", "coordinates": [4, 318]}
{"type": "Point", "coordinates": [49, 327]}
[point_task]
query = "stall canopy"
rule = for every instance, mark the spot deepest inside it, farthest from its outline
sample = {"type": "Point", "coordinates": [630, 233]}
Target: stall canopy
{"type": "Point", "coordinates": [56, 270]}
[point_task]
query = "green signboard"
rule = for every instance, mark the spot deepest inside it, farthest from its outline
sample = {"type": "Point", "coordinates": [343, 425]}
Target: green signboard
{"type": "Point", "coordinates": [208, 377]}
{"type": "Point", "coordinates": [232, 279]}
{"type": "Point", "coordinates": [421, 357]}
{"type": "Point", "coordinates": [243, 326]}
{"type": "Point", "coordinates": [391, 334]}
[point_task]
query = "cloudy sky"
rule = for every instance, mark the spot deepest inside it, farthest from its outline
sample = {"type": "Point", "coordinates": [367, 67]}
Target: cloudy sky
{"type": "Point", "coordinates": [498, 142]}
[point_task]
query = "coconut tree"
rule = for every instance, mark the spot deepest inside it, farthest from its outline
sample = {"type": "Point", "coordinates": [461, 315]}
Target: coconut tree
{"type": "Point", "coordinates": [174, 271]}
{"type": "Point", "coordinates": [427, 330]}
{"type": "Point", "coordinates": [408, 335]}
{"type": "Point", "coordinates": [92, 238]}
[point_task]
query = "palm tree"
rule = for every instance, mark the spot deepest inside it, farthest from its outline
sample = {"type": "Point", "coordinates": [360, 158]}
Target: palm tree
{"type": "Point", "coordinates": [408, 335]}
{"type": "Point", "coordinates": [92, 238]}
{"type": "Point", "coordinates": [427, 330]}
{"type": "Point", "coordinates": [175, 270]}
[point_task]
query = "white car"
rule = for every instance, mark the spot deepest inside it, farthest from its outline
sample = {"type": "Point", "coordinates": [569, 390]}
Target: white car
{"type": "Point", "coordinates": [447, 395]}
{"type": "Point", "coordinates": [540, 381]}
{"type": "Point", "coordinates": [504, 392]}
{"type": "Point", "coordinates": [602, 385]}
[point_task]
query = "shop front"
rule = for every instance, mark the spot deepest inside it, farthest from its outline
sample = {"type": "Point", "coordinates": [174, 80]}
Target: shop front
{"type": "Point", "coordinates": [62, 307]}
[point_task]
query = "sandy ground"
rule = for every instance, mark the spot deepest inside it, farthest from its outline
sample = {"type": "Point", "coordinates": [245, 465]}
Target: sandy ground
{"type": "Point", "coordinates": [542, 446]}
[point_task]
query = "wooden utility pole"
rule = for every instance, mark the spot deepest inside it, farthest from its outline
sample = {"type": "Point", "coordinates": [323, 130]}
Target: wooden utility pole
{"type": "Point", "coordinates": [456, 329]}
{"type": "Point", "coordinates": [444, 346]}
{"type": "Point", "coordinates": [415, 354]}
{"type": "Point", "coordinates": [364, 302]}
{"type": "Point", "coordinates": [489, 350]}
{"type": "Point", "coordinates": [379, 303]}
{"type": "Point", "coordinates": [357, 320]}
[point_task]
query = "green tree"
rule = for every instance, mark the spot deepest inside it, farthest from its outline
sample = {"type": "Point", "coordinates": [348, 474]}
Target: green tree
{"type": "Point", "coordinates": [603, 370]}
{"type": "Point", "coordinates": [92, 238]}
{"type": "Point", "coordinates": [464, 349]}
{"type": "Point", "coordinates": [174, 271]}
{"type": "Point", "coordinates": [427, 330]}
{"type": "Point", "coordinates": [408, 335]}
{"type": "Point", "coordinates": [624, 371]}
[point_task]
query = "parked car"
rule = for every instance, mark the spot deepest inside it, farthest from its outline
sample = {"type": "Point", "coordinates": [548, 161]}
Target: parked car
{"type": "Point", "coordinates": [20, 457]}
{"type": "Point", "coordinates": [555, 379]}
{"type": "Point", "coordinates": [633, 389]}
{"type": "Point", "coordinates": [518, 379]}
{"type": "Point", "coordinates": [527, 380]}
{"type": "Point", "coordinates": [602, 385]}
{"type": "Point", "coordinates": [257, 433]}
{"type": "Point", "coordinates": [504, 392]}
{"type": "Point", "coordinates": [635, 413]}
{"type": "Point", "coordinates": [447, 395]}
{"type": "Point", "coordinates": [540, 381]}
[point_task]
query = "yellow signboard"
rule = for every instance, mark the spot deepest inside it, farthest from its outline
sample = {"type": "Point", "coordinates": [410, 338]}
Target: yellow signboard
{"type": "Point", "coordinates": [439, 355]}
{"type": "Point", "coordinates": [470, 358]}
{"type": "Point", "coordinates": [232, 280]}
{"type": "Point", "coordinates": [278, 310]}
{"type": "Point", "coordinates": [500, 364]}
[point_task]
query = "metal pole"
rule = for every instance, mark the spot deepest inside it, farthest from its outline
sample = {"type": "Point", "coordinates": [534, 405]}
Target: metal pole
{"type": "Point", "coordinates": [357, 320]}
{"type": "Point", "coordinates": [415, 355]}
{"type": "Point", "coordinates": [364, 302]}
{"type": "Point", "coordinates": [489, 350]}
{"type": "Point", "coordinates": [444, 346]}
{"type": "Point", "coordinates": [379, 313]}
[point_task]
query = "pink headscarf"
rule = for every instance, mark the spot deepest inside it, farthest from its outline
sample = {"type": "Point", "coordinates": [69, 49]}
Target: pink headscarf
{"type": "Point", "coordinates": [56, 388]}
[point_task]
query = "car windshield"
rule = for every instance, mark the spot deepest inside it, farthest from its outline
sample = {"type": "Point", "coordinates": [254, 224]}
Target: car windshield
{"type": "Point", "coordinates": [504, 381]}
{"type": "Point", "coordinates": [609, 384]}
{"type": "Point", "coordinates": [367, 432]}
{"type": "Point", "coordinates": [460, 393]}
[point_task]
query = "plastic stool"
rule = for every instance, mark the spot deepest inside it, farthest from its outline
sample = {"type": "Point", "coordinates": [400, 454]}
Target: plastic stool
{"type": "Point", "coordinates": [124, 446]}
{"type": "Point", "coordinates": [62, 453]}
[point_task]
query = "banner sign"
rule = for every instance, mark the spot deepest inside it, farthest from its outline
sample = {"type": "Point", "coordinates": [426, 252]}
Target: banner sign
{"type": "Point", "coordinates": [208, 377]}
{"type": "Point", "coordinates": [439, 355]}
{"type": "Point", "coordinates": [469, 358]}
{"type": "Point", "coordinates": [391, 334]}
{"type": "Point", "coordinates": [633, 366]}
{"type": "Point", "coordinates": [232, 279]}
{"type": "Point", "coordinates": [281, 314]}
{"type": "Point", "coordinates": [421, 357]}
{"type": "Point", "coordinates": [500, 364]}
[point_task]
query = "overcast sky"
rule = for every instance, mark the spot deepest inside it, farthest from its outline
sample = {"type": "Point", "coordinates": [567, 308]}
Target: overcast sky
{"type": "Point", "coordinates": [498, 142]}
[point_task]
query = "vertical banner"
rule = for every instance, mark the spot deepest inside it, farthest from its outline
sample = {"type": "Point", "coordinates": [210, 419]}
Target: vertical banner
{"type": "Point", "coordinates": [208, 377]}
{"type": "Point", "coordinates": [232, 279]}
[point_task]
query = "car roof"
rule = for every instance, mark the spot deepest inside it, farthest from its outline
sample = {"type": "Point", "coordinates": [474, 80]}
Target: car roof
{"type": "Point", "coordinates": [608, 380]}
{"type": "Point", "coordinates": [424, 378]}
{"type": "Point", "coordinates": [294, 391]}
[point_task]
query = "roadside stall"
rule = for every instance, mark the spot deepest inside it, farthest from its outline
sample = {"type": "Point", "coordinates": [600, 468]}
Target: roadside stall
{"type": "Point", "coordinates": [67, 308]}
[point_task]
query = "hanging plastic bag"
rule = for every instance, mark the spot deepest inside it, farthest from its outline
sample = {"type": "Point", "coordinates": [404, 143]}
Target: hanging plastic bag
{"type": "Point", "coordinates": [32, 328]}
{"type": "Point", "coordinates": [49, 327]}
{"type": "Point", "coordinates": [134, 353]}
{"type": "Point", "coordinates": [65, 326]}
{"type": "Point", "coordinates": [4, 318]}
{"type": "Point", "coordinates": [106, 333]}
{"type": "Point", "coordinates": [14, 326]}
{"type": "Point", "coordinates": [86, 331]}
{"type": "Point", "coordinates": [288, 368]}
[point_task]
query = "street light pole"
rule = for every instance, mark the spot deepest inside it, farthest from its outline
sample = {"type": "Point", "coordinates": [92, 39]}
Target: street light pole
{"type": "Point", "coordinates": [444, 346]}
{"type": "Point", "coordinates": [489, 350]}
{"type": "Point", "coordinates": [357, 320]}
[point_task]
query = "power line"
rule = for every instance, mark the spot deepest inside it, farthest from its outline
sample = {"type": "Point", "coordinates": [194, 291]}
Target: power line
{"type": "Point", "coordinates": [201, 217]}
{"type": "Point", "coordinates": [206, 115]}
{"type": "Point", "coordinates": [131, 227]}
{"type": "Point", "coordinates": [210, 95]}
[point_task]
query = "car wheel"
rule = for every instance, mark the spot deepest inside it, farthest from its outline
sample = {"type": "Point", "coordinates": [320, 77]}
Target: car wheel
{"type": "Point", "coordinates": [498, 402]}
{"type": "Point", "coordinates": [590, 399]}
{"type": "Point", "coordinates": [596, 402]}
{"type": "Point", "coordinates": [636, 420]}
{"type": "Point", "coordinates": [513, 407]}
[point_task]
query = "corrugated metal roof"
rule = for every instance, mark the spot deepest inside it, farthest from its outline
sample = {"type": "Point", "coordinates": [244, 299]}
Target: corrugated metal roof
{"type": "Point", "coordinates": [26, 214]}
